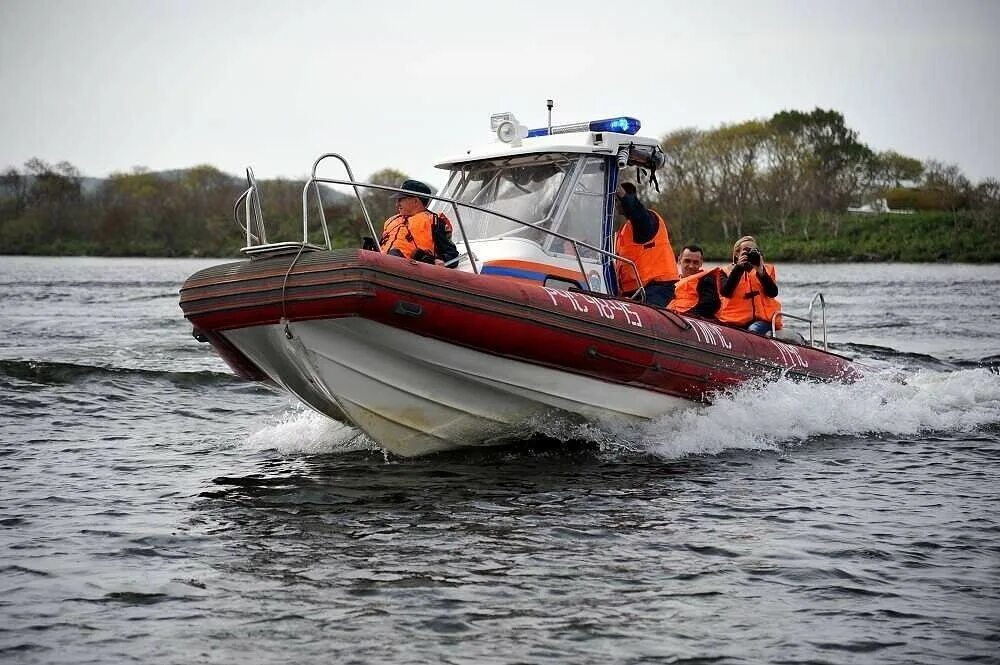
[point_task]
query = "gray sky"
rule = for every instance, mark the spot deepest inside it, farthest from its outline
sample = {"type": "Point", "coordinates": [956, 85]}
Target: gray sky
{"type": "Point", "coordinates": [109, 85]}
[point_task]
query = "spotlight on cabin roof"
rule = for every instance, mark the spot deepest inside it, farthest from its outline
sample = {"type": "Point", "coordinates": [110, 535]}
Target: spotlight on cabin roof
{"type": "Point", "coordinates": [508, 129]}
{"type": "Point", "coordinates": [498, 118]}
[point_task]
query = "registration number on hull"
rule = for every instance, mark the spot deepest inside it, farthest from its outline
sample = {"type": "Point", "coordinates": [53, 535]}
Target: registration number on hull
{"type": "Point", "coordinates": [581, 302]}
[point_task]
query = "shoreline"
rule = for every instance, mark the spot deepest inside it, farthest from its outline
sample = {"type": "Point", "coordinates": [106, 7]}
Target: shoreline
{"type": "Point", "coordinates": [924, 237]}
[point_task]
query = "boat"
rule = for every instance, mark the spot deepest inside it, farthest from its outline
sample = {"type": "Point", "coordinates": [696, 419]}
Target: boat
{"type": "Point", "coordinates": [524, 328]}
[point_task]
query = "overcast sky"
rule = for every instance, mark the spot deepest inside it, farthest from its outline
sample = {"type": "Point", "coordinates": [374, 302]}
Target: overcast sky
{"type": "Point", "coordinates": [109, 85]}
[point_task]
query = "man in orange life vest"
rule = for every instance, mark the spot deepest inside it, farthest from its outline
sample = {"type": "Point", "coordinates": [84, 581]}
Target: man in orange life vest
{"type": "Point", "coordinates": [644, 240]}
{"type": "Point", "coordinates": [697, 291]}
{"type": "Point", "coordinates": [691, 260]}
{"type": "Point", "coordinates": [415, 232]}
{"type": "Point", "coordinates": [749, 289]}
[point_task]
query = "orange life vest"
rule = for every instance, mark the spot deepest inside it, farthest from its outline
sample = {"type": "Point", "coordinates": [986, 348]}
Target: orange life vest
{"type": "Point", "coordinates": [654, 260]}
{"type": "Point", "coordinates": [686, 291]}
{"type": "Point", "coordinates": [410, 235]}
{"type": "Point", "coordinates": [748, 302]}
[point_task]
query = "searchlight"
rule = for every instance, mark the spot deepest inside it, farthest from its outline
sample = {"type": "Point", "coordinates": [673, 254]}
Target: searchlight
{"type": "Point", "coordinates": [508, 129]}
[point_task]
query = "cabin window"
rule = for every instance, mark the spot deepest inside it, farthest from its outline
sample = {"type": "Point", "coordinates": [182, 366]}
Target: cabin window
{"type": "Point", "coordinates": [525, 188]}
{"type": "Point", "coordinates": [584, 211]}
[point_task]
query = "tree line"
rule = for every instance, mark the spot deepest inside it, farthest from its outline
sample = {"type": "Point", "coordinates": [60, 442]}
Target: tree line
{"type": "Point", "coordinates": [791, 177]}
{"type": "Point", "coordinates": [796, 174]}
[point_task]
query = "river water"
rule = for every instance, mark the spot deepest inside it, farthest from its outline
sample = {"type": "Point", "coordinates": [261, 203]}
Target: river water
{"type": "Point", "coordinates": [155, 509]}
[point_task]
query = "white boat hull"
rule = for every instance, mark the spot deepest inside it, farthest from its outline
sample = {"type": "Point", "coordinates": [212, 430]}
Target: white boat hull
{"type": "Point", "coordinates": [415, 395]}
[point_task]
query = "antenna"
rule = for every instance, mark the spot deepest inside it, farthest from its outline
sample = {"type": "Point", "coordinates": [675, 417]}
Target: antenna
{"type": "Point", "coordinates": [548, 103]}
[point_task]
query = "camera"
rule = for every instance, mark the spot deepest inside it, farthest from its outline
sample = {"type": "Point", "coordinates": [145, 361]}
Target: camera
{"type": "Point", "coordinates": [753, 256]}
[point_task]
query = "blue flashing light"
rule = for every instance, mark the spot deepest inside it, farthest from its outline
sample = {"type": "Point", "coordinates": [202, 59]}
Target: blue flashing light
{"type": "Point", "coordinates": [622, 125]}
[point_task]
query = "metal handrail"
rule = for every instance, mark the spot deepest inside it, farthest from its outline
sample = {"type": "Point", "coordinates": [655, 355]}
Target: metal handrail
{"type": "Point", "coordinates": [455, 204]}
{"type": "Point", "coordinates": [809, 319]}
{"type": "Point", "coordinates": [253, 213]}
{"type": "Point", "coordinates": [251, 200]}
{"type": "Point", "coordinates": [236, 215]}
{"type": "Point", "coordinates": [319, 199]}
{"type": "Point", "coordinates": [822, 309]}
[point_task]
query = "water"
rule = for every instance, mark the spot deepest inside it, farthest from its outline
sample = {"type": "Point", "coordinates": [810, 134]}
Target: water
{"type": "Point", "coordinates": [154, 509]}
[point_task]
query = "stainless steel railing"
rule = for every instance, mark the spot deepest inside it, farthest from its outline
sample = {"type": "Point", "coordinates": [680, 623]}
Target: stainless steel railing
{"type": "Point", "coordinates": [807, 319]}
{"type": "Point", "coordinates": [257, 238]}
{"type": "Point", "coordinates": [456, 205]}
{"type": "Point", "coordinates": [250, 199]}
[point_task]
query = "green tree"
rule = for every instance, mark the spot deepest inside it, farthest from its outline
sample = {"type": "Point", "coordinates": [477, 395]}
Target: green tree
{"type": "Point", "coordinates": [891, 169]}
{"type": "Point", "coordinates": [55, 207]}
{"type": "Point", "coordinates": [132, 212]}
{"type": "Point", "coordinates": [201, 212]}
{"type": "Point", "coordinates": [944, 187]}
{"type": "Point", "coordinates": [735, 162]}
{"type": "Point", "coordinates": [832, 159]}
{"type": "Point", "coordinates": [786, 184]}
{"type": "Point", "coordinates": [986, 196]}
{"type": "Point", "coordinates": [684, 193]}
{"type": "Point", "coordinates": [13, 194]}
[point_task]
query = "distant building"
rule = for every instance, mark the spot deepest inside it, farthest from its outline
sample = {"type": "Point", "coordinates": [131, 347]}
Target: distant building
{"type": "Point", "coordinates": [877, 207]}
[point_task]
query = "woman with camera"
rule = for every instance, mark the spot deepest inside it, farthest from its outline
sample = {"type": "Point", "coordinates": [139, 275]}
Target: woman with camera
{"type": "Point", "coordinates": [749, 290]}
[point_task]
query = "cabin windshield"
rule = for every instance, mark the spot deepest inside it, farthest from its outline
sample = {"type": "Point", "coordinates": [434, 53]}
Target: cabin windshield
{"type": "Point", "coordinates": [525, 187]}
{"type": "Point", "coordinates": [583, 213]}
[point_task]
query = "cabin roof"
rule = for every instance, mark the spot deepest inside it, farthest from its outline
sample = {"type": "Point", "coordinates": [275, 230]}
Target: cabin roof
{"type": "Point", "coordinates": [586, 142]}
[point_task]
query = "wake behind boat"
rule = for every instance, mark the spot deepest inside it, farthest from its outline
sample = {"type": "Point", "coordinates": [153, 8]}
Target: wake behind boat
{"type": "Point", "coordinates": [425, 358]}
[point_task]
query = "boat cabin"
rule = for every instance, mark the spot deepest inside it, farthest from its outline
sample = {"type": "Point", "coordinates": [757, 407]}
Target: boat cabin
{"type": "Point", "coordinates": [540, 204]}
{"type": "Point", "coordinates": [535, 205]}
